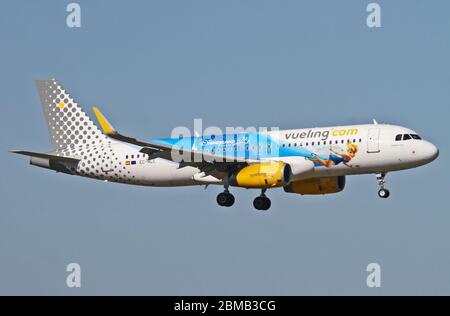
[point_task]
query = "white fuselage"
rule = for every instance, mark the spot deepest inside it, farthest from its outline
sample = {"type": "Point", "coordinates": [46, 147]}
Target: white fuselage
{"type": "Point", "coordinates": [378, 151]}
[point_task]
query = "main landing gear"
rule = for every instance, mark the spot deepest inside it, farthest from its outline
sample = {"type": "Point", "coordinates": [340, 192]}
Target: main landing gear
{"type": "Point", "coordinates": [382, 192]}
{"type": "Point", "coordinates": [262, 202]}
{"type": "Point", "coordinates": [225, 198]}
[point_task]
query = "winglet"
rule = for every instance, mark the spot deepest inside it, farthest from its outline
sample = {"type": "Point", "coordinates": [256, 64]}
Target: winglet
{"type": "Point", "coordinates": [375, 122]}
{"type": "Point", "coordinates": [106, 126]}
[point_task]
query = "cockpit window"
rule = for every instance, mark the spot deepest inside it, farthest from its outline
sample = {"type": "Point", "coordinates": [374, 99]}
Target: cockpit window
{"type": "Point", "coordinates": [400, 137]}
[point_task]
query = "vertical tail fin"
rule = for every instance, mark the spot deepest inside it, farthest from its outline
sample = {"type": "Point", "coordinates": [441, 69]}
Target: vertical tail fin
{"type": "Point", "coordinates": [68, 125]}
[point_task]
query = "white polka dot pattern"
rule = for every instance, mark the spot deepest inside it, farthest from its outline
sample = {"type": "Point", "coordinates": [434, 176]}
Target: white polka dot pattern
{"type": "Point", "coordinates": [73, 134]}
{"type": "Point", "coordinates": [68, 124]}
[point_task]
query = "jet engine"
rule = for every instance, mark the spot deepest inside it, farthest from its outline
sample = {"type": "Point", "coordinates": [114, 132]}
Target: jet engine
{"type": "Point", "coordinates": [262, 175]}
{"type": "Point", "coordinates": [324, 185]}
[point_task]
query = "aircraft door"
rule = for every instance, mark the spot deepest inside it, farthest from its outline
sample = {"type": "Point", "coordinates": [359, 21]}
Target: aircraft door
{"type": "Point", "coordinates": [373, 140]}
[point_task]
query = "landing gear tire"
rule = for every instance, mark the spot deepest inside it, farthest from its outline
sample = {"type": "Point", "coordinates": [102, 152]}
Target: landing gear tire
{"type": "Point", "coordinates": [383, 193]}
{"type": "Point", "coordinates": [262, 203]}
{"type": "Point", "coordinates": [225, 199]}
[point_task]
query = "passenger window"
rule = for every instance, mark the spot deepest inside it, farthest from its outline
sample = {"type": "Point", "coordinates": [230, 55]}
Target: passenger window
{"type": "Point", "coordinates": [406, 137]}
{"type": "Point", "coordinates": [126, 157]}
{"type": "Point", "coordinates": [398, 137]}
{"type": "Point", "coordinates": [132, 156]}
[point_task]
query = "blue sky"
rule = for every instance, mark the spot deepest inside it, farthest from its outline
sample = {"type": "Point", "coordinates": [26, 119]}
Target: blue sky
{"type": "Point", "coordinates": [154, 65]}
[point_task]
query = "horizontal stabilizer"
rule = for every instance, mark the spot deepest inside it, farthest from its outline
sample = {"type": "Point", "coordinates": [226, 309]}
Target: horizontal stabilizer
{"type": "Point", "coordinates": [45, 156]}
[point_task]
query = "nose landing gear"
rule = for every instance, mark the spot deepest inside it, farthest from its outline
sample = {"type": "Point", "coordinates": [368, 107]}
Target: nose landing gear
{"type": "Point", "coordinates": [382, 192]}
{"type": "Point", "coordinates": [262, 202]}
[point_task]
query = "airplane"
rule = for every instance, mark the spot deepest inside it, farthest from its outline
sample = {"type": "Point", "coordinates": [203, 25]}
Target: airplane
{"type": "Point", "coordinates": [301, 161]}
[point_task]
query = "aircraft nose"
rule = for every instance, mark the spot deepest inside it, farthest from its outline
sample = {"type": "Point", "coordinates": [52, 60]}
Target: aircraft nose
{"type": "Point", "coordinates": [430, 152]}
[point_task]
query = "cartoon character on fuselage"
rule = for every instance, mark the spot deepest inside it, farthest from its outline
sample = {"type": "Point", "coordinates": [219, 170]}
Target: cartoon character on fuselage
{"type": "Point", "coordinates": [336, 157]}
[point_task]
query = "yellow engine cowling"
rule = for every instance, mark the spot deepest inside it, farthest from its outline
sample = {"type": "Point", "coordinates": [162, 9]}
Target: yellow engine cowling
{"type": "Point", "coordinates": [262, 175]}
{"type": "Point", "coordinates": [323, 185]}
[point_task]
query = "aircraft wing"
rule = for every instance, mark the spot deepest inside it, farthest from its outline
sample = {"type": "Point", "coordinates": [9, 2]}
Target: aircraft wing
{"type": "Point", "coordinates": [159, 149]}
{"type": "Point", "coordinates": [111, 132]}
